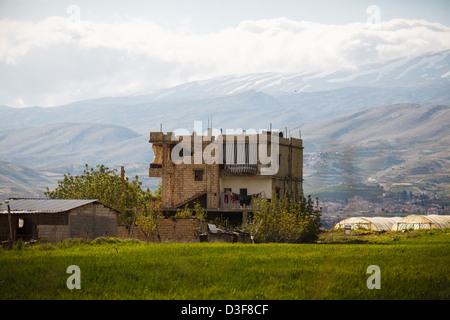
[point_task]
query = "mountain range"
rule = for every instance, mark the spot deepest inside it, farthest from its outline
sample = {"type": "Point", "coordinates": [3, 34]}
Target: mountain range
{"type": "Point", "coordinates": [401, 143]}
{"type": "Point", "coordinates": [356, 124]}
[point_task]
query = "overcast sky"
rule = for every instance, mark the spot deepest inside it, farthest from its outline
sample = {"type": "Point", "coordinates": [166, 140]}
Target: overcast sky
{"type": "Point", "coordinates": [56, 52]}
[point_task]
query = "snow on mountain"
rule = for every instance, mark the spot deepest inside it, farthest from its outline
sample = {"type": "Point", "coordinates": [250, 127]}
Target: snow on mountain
{"type": "Point", "coordinates": [256, 100]}
{"type": "Point", "coordinates": [402, 71]}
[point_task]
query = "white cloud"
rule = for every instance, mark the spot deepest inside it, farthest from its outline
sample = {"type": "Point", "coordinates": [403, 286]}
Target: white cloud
{"type": "Point", "coordinates": [57, 61]}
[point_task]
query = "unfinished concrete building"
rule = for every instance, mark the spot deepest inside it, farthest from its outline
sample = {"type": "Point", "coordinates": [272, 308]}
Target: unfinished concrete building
{"type": "Point", "coordinates": [224, 172]}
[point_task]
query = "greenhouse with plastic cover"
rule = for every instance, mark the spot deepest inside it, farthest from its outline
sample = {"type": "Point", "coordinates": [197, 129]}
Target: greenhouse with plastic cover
{"type": "Point", "coordinates": [369, 223]}
{"type": "Point", "coordinates": [396, 223]}
{"type": "Point", "coordinates": [414, 222]}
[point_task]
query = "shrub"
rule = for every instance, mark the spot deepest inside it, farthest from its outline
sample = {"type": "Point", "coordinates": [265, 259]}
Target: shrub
{"type": "Point", "coordinates": [146, 219]}
{"type": "Point", "coordinates": [283, 220]}
{"type": "Point", "coordinates": [107, 186]}
{"type": "Point", "coordinates": [198, 212]}
{"type": "Point", "coordinates": [186, 213]}
{"type": "Point", "coordinates": [19, 245]}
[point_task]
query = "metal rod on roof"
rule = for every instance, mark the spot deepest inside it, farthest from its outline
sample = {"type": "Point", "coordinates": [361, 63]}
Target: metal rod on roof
{"type": "Point", "coordinates": [9, 220]}
{"type": "Point", "coordinates": [122, 178]}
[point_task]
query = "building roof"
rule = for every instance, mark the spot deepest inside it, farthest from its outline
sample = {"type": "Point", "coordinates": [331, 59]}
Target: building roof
{"type": "Point", "coordinates": [43, 205]}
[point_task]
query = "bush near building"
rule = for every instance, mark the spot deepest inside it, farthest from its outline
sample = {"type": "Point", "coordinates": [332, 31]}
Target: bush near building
{"type": "Point", "coordinates": [285, 221]}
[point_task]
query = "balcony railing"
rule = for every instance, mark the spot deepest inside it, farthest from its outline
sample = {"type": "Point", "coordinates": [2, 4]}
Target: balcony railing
{"type": "Point", "coordinates": [242, 169]}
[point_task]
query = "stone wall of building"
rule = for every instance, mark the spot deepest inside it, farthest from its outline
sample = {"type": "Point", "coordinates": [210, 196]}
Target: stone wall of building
{"type": "Point", "coordinates": [53, 232]}
{"type": "Point", "coordinates": [289, 177]}
{"type": "Point", "coordinates": [179, 183]}
{"type": "Point", "coordinates": [182, 185]}
{"type": "Point", "coordinates": [182, 230]}
{"type": "Point", "coordinates": [91, 221]}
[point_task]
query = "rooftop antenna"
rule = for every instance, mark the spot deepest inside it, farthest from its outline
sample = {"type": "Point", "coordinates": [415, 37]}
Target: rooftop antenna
{"type": "Point", "coordinates": [299, 133]}
{"type": "Point", "coordinates": [122, 179]}
{"type": "Point", "coordinates": [160, 127]}
{"type": "Point", "coordinates": [271, 127]}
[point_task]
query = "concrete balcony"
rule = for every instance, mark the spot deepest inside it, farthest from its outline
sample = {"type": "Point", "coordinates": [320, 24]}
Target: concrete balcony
{"type": "Point", "coordinates": [235, 202]}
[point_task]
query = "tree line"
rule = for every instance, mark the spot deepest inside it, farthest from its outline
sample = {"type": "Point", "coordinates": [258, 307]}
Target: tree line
{"type": "Point", "coordinates": [278, 219]}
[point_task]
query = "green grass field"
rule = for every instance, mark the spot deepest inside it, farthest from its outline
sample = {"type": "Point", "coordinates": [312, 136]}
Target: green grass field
{"type": "Point", "coordinates": [413, 265]}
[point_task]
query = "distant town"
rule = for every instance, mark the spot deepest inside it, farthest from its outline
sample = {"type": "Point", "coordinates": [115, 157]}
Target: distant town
{"type": "Point", "coordinates": [388, 204]}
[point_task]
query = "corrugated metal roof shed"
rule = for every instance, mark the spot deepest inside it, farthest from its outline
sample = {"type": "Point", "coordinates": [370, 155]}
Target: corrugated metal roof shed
{"type": "Point", "coordinates": [43, 205]}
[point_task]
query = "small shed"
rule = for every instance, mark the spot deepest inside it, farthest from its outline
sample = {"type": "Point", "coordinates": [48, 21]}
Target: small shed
{"type": "Point", "coordinates": [414, 222]}
{"type": "Point", "coordinates": [56, 219]}
{"type": "Point", "coordinates": [369, 223]}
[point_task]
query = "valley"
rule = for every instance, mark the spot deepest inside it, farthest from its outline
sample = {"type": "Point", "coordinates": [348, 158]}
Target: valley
{"type": "Point", "coordinates": [366, 132]}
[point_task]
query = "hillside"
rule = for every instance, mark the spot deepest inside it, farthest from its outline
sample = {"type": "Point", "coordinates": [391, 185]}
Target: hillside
{"type": "Point", "coordinates": [69, 143]}
{"type": "Point", "coordinates": [43, 154]}
{"type": "Point", "coordinates": [21, 181]}
{"type": "Point", "coordinates": [413, 123]}
{"type": "Point", "coordinates": [403, 143]}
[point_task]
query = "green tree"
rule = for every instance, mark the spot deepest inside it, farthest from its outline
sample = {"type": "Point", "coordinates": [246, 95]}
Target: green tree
{"type": "Point", "coordinates": [198, 212]}
{"type": "Point", "coordinates": [147, 218]}
{"type": "Point", "coordinates": [283, 220]}
{"type": "Point", "coordinates": [105, 185]}
{"type": "Point", "coordinates": [158, 191]}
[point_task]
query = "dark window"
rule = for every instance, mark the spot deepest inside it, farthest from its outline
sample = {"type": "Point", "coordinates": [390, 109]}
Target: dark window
{"type": "Point", "coordinates": [277, 192]}
{"type": "Point", "coordinates": [24, 227]}
{"type": "Point", "coordinates": [243, 192]}
{"type": "Point", "coordinates": [198, 175]}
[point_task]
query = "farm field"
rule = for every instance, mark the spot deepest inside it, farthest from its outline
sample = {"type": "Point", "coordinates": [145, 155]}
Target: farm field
{"type": "Point", "coordinates": [413, 265]}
